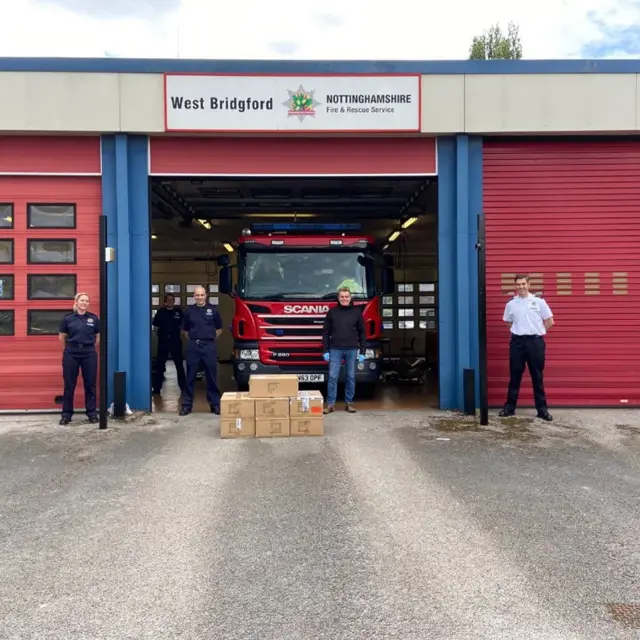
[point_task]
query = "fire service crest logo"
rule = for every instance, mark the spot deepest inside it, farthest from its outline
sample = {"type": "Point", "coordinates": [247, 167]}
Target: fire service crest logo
{"type": "Point", "coordinates": [301, 103]}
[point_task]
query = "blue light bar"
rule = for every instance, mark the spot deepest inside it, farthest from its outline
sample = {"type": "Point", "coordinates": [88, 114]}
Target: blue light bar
{"type": "Point", "coordinates": [274, 227]}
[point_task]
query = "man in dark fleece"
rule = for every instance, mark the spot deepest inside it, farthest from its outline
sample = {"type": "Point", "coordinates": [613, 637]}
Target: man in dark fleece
{"type": "Point", "coordinates": [343, 338]}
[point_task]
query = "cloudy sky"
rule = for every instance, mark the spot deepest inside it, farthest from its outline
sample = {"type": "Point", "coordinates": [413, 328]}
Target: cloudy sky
{"type": "Point", "coordinates": [327, 29]}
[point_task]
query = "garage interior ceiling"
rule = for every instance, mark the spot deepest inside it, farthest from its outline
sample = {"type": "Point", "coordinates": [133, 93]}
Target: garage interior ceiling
{"type": "Point", "coordinates": [229, 205]}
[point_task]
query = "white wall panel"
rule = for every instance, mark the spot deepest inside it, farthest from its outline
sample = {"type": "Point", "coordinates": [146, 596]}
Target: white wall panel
{"type": "Point", "coordinates": [550, 103]}
{"type": "Point", "coordinates": [141, 103]}
{"type": "Point", "coordinates": [82, 102]}
{"type": "Point", "coordinates": [443, 104]}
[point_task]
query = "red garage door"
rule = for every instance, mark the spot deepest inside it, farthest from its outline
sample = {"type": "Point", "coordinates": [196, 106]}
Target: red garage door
{"type": "Point", "coordinates": [569, 215]}
{"type": "Point", "coordinates": [48, 252]}
{"type": "Point", "coordinates": [172, 156]}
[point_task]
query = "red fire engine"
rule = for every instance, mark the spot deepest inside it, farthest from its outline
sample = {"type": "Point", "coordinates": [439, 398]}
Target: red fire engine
{"type": "Point", "coordinates": [288, 276]}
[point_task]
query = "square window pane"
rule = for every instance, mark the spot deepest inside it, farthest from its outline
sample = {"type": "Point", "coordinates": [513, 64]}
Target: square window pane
{"type": "Point", "coordinates": [405, 288]}
{"type": "Point", "coordinates": [191, 301]}
{"type": "Point", "coordinates": [153, 313]}
{"type": "Point", "coordinates": [155, 288]}
{"type": "Point", "coordinates": [172, 288]}
{"type": "Point", "coordinates": [431, 324]}
{"type": "Point", "coordinates": [177, 301]}
{"type": "Point", "coordinates": [45, 322]}
{"type": "Point", "coordinates": [427, 313]}
{"type": "Point", "coordinates": [51, 216]}
{"type": "Point", "coordinates": [51, 287]}
{"type": "Point", "coordinates": [213, 288]}
{"type": "Point", "coordinates": [387, 313]}
{"type": "Point", "coordinates": [6, 251]}
{"type": "Point", "coordinates": [387, 300]}
{"type": "Point", "coordinates": [7, 323]}
{"type": "Point", "coordinates": [423, 324]}
{"type": "Point", "coordinates": [405, 300]}
{"type": "Point", "coordinates": [192, 287]}
{"type": "Point", "coordinates": [155, 301]}
{"type": "Point", "coordinates": [406, 324]}
{"type": "Point", "coordinates": [7, 287]}
{"type": "Point", "coordinates": [427, 287]}
{"type": "Point", "coordinates": [6, 216]}
{"type": "Point", "coordinates": [213, 300]}
{"type": "Point", "coordinates": [387, 325]}
{"type": "Point", "coordinates": [405, 313]}
{"type": "Point", "coordinates": [427, 300]}
{"type": "Point", "coordinates": [52, 251]}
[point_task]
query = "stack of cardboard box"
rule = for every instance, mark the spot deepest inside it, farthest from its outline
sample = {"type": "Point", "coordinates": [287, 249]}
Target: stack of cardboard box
{"type": "Point", "coordinates": [274, 407]}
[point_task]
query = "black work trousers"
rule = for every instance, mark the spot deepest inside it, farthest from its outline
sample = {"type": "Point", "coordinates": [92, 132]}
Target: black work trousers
{"type": "Point", "coordinates": [526, 351]}
{"type": "Point", "coordinates": [74, 361]}
{"type": "Point", "coordinates": [201, 354]}
{"type": "Point", "coordinates": [166, 348]}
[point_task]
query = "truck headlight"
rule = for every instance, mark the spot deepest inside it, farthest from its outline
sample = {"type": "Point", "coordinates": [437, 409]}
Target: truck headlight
{"type": "Point", "coordinates": [371, 354]}
{"type": "Point", "coordinates": [248, 354]}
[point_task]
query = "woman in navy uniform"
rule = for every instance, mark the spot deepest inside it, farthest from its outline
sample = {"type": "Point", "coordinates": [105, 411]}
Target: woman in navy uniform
{"type": "Point", "coordinates": [80, 333]}
{"type": "Point", "coordinates": [202, 325]}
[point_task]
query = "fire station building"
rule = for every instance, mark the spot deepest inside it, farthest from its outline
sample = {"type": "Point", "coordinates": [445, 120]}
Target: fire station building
{"type": "Point", "coordinates": [180, 155]}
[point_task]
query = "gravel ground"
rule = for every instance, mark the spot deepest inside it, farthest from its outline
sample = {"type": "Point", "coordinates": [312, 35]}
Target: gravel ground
{"type": "Point", "coordinates": [410, 525]}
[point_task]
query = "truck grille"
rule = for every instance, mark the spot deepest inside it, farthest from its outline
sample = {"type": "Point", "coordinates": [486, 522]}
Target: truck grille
{"type": "Point", "coordinates": [290, 327]}
{"type": "Point", "coordinates": [291, 339]}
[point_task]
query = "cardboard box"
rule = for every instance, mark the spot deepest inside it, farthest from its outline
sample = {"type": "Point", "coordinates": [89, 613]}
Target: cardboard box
{"type": "Point", "coordinates": [307, 426]}
{"type": "Point", "coordinates": [237, 427]}
{"type": "Point", "coordinates": [306, 404]}
{"type": "Point", "coordinates": [237, 405]}
{"type": "Point", "coordinates": [272, 407]}
{"type": "Point", "coordinates": [278, 386]}
{"type": "Point", "coordinates": [272, 427]}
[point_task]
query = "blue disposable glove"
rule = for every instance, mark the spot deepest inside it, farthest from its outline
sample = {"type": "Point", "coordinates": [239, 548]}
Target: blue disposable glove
{"type": "Point", "coordinates": [360, 358]}
{"type": "Point", "coordinates": [326, 357]}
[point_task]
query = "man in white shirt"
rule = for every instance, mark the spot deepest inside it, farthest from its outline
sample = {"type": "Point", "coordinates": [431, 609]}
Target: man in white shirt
{"type": "Point", "coordinates": [529, 318]}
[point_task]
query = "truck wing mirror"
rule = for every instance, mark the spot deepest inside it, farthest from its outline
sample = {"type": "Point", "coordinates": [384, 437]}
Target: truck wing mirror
{"type": "Point", "coordinates": [224, 281]}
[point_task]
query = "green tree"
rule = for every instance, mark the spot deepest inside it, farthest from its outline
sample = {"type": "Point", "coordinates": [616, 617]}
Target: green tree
{"type": "Point", "coordinates": [494, 45]}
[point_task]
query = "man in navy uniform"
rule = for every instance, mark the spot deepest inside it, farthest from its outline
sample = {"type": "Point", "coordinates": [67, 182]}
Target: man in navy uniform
{"type": "Point", "coordinates": [168, 323]}
{"type": "Point", "coordinates": [202, 325]}
{"type": "Point", "coordinates": [528, 318]}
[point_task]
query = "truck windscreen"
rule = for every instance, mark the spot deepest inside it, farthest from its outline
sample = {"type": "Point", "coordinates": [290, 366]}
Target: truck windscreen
{"type": "Point", "coordinates": [304, 275]}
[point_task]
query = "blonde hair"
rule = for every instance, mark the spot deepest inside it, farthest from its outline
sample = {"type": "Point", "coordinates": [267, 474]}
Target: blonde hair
{"type": "Point", "coordinates": [77, 297]}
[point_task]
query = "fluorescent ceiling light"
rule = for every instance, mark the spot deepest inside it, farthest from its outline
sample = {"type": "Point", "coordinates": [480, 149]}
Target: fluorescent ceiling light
{"type": "Point", "coordinates": [228, 247]}
{"type": "Point", "coordinates": [154, 236]}
{"type": "Point", "coordinates": [386, 246]}
{"type": "Point", "coordinates": [393, 236]}
{"type": "Point", "coordinates": [205, 223]}
{"type": "Point", "coordinates": [407, 223]}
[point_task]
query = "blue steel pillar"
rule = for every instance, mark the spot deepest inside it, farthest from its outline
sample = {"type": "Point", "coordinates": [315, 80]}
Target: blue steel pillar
{"type": "Point", "coordinates": [459, 204]}
{"type": "Point", "coordinates": [125, 202]}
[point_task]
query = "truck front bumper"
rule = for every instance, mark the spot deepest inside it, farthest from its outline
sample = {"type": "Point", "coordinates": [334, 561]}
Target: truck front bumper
{"type": "Point", "coordinates": [367, 372]}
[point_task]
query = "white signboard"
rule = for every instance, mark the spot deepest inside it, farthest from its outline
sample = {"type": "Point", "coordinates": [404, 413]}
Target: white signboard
{"type": "Point", "coordinates": [292, 103]}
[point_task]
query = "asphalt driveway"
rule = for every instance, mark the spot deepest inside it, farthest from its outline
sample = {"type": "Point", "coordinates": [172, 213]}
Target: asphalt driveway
{"type": "Point", "coordinates": [393, 525]}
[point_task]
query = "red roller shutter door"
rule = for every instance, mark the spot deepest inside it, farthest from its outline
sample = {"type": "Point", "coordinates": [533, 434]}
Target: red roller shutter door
{"type": "Point", "coordinates": [173, 156]}
{"type": "Point", "coordinates": [31, 360]}
{"type": "Point", "coordinates": [568, 213]}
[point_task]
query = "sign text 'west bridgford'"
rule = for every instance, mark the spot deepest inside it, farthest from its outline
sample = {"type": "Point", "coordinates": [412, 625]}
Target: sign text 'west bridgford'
{"type": "Point", "coordinates": [223, 103]}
